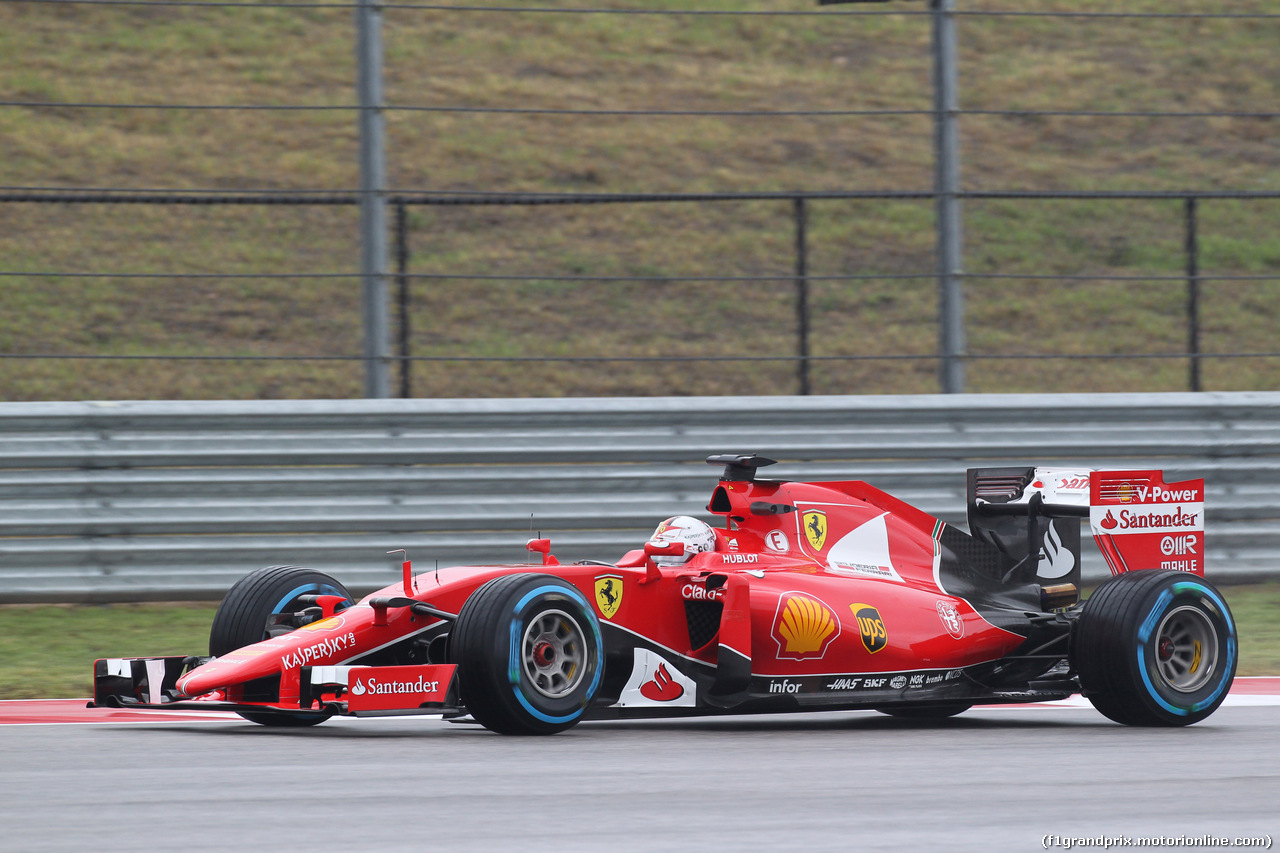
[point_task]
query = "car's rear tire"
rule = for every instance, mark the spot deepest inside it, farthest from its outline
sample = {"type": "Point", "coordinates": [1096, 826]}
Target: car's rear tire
{"type": "Point", "coordinates": [1155, 648]}
{"type": "Point", "coordinates": [242, 618]}
{"type": "Point", "coordinates": [926, 712]}
{"type": "Point", "coordinates": [529, 652]}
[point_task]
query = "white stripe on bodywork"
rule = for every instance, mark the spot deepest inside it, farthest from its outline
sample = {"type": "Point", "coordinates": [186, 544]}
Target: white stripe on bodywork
{"type": "Point", "coordinates": [330, 675]}
{"type": "Point", "coordinates": [155, 681]}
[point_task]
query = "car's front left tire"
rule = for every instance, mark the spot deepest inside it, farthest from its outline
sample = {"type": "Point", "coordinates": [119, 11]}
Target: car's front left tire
{"type": "Point", "coordinates": [244, 616]}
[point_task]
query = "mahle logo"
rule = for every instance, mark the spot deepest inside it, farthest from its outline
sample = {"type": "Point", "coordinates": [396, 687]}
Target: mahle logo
{"type": "Point", "coordinates": [871, 627]}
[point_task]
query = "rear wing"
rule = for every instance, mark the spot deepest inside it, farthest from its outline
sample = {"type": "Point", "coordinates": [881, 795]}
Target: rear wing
{"type": "Point", "coordinates": [1138, 520]}
{"type": "Point", "coordinates": [1141, 522]}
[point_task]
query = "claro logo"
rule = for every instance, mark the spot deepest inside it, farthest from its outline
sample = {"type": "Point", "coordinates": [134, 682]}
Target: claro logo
{"type": "Point", "coordinates": [389, 687]}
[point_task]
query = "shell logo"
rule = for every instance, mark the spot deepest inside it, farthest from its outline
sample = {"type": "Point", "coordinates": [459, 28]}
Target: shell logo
{"type": "Point", "coordinates": [1125, 493]}
{"type": "Point", "coordinates": [803, 627]}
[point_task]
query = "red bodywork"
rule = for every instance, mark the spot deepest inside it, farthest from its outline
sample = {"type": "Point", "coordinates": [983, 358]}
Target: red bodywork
{"type": "Point", "coordinates": [817, 595]}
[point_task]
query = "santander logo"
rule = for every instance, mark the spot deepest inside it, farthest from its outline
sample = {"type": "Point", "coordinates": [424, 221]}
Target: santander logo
{"type": "Point", "coordinates": [1109, 522]}
{"type": "Point", "coordinates": [358, 688]}
{"type": "Point", "coordinates": [661, 688]}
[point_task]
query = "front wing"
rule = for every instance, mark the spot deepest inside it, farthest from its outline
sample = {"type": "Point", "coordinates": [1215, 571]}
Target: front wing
{"type": "Point", "coordinates": [356, 691]}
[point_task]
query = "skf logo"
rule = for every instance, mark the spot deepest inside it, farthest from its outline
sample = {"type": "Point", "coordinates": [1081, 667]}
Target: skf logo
{"type": "Point", "coordinates": [871, 626]}
{"type": "Point", "coordinates": [814, 522]}
{"type": "Point", "coordinates": [608, 594]}
{"type": "Point", "coordinates": [803, 627]}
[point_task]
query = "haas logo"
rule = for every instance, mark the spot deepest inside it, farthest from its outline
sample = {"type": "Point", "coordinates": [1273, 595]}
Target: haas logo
{"type": "Point", "coordinates": [358, 688]}
{"type": "Point", "coordinates": [661, 688]}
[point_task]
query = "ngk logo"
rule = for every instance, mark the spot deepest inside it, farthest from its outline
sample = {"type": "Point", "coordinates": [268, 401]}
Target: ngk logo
{"type": "Point", "coordinates": [1171, 545]}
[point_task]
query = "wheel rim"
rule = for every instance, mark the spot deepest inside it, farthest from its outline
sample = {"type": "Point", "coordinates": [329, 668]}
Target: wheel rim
{"type": "Point", "coordinates": [554, 653]}
{"type": "Point", "coordinates": [1186, 649]}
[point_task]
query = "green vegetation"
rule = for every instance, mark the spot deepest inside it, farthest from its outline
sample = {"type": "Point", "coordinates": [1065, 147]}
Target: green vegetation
{"type": "Point", "coordinates": [215, 55]}
{"type": "Point", "coordinates": [47, 651]}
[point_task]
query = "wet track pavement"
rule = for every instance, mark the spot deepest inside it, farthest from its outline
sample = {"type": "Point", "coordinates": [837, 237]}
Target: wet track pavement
{"type": "Point", "coordinates": [993, 779]}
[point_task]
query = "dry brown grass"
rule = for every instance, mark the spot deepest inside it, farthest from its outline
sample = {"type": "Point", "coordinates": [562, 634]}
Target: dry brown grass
{"type": "Point", "coordinates": [75, 53]}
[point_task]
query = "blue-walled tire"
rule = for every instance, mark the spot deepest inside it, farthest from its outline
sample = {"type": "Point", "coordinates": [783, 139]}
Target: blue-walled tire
{"type": "Point", "coordinates": [530, 654]}
{"type": "Point", "coordinates": [242, 617]}
{"type": "Point", "coordinates": [1156, 648]}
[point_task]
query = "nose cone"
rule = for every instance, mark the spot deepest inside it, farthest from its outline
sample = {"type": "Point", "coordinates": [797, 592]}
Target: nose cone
{"type": "Point", "coordinates": [328, 641]}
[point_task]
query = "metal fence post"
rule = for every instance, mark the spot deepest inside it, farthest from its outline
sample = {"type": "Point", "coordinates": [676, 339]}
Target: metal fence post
{"type": "Point", "coordinates": [802, 290]}
{"type": "Point", "coordinates": [1193, 294]}
{"type": "Point", "coordinates": [946, 144]}
{"type": "Point", "coordinates": [402, 292]}
{"type": "Point", "coordinates": [373, 211]}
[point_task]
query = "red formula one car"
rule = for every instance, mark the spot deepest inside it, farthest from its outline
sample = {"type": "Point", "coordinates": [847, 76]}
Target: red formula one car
{"type": "Point", "coordinates": [809, 596]}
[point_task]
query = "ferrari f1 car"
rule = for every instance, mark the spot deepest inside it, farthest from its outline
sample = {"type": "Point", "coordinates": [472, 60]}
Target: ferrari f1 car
{"type": "Point", "coordinates": [806, 597]}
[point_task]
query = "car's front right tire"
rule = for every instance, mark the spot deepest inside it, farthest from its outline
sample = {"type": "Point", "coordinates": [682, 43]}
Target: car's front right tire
{"type": "Point", "coordinates": [529, 652]}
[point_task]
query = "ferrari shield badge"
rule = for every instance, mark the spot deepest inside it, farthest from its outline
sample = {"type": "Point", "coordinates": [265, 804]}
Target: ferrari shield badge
{"type": "Point", "coordinates": [608, 594]}
{"type": "Point", "coordinates": [814, 522]}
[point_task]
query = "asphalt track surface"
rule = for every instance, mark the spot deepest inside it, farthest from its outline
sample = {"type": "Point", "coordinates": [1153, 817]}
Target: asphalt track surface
{"type": "Point", "coordinates": [991, 779]}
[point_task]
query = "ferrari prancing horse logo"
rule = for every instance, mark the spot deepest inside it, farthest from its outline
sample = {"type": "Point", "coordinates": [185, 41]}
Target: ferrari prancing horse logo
{"type": "Point", "coordinates": [814, 522]}
{"type": "Point", "coordinates": [608, 594]}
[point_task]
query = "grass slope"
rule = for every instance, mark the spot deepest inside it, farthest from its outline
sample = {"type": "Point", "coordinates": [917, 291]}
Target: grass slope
{"type": "Point", "coordinates": [260, 55]}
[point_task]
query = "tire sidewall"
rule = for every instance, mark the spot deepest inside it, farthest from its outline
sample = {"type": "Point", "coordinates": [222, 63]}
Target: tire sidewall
{"type": "Point", "coordinates": [241, 618]}
{"type": "Point", "coordinates": [539, 596]}
{"type": "Point", "coordinates": [487, 645]}
{"type": "Point", "coordinates": [1160, 697]}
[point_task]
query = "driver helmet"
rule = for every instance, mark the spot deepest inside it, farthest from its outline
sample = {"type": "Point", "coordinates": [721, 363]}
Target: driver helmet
{"type": "Point", "coordinates": [696, 535]}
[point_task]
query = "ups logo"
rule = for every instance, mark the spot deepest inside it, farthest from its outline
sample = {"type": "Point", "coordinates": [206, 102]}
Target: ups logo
{"type": "Point", "coordinates": [870, 626]}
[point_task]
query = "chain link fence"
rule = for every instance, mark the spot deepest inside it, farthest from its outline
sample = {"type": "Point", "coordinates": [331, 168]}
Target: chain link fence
{"type": "Point", "coordinates": [525, 269]}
